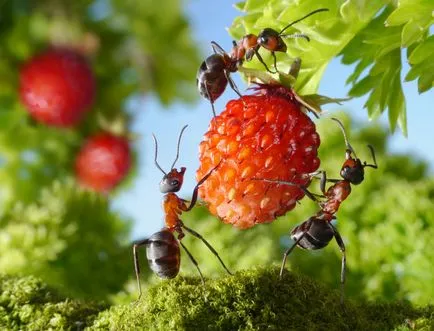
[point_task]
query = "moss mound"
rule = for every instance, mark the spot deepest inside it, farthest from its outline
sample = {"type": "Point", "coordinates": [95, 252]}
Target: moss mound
{"type": "Point", "coordinates": [28, 304]}
{"type": "Point", "coordinates": [257, 300]}
{"type": "Point", "coordinates": [251, 300]}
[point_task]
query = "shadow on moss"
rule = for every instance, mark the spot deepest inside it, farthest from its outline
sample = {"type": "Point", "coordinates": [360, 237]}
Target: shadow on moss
{"type": "Point", "coordinates": [28, 304]}
{"type": "Point", "coordinates": [256, 300]}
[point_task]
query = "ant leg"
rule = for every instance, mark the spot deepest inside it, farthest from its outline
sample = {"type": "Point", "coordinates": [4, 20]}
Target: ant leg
{"type": "Point", "coordinates": [194, 261]}
{"type": "Point", "coordinates": [375, 166]}
{"type": "Point", "coordinates": [290, 249]}
{"type": "Point", "coordinates": [136, 245]}
{"type": "Point", "coordinates": [197, 235]}
{"type": "Point", "coordinates": [262, 61]}
{"type": "Point", "coordinates": [232, 84]}
{"type": "Point", "coordinates": [314, 197]}
{"type": "Point", "coordinates": [341, 244]}
{"type": "Point", "coordinates": [210, 100]}
{"type": "Point", "coordinates": [275, 61]}
{"type": "Point", "coordinates": [295, 67]}
{"type": "Point", "coordinates": [322, 182]}
{"type": "Point", "coordinates": [196, 188]}
{"type": "Point", "coordinates": [217, 48]}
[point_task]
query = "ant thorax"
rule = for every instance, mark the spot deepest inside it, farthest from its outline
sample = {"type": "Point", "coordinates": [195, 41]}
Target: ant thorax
{"type": "Point", "coordinates": [173, 207]}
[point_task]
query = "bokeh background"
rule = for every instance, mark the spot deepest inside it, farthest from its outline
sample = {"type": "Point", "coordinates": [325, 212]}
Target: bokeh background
{"type": "Point", "coordinates": [145, 61]}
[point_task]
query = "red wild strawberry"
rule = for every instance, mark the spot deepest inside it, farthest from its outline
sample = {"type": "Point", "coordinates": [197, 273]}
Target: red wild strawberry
{"type": "Point", "coordinates": [57, 87]}
{"type": "Point", "coordinates": [103, 161]}
{"type": "Point", "coordinates": [258, 136]}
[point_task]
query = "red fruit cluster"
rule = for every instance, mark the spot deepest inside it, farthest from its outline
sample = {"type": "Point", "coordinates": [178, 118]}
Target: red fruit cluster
{"type": "Point", "coordinates": [260, 136]}
{"type": "Point", "coordinates": [103, 161]}
{"type": "Point", "coordinates": [57, 87]}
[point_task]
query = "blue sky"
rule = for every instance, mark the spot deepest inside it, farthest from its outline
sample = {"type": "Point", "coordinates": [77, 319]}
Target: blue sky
{"type": "Point", "coordinates": [209, 20]}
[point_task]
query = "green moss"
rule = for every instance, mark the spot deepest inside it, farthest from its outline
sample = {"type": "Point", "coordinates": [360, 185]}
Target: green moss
{"type": "Point", "coordinates": [250, 300]}
{"type": "Point", "coordinates": [28, 304]}
{"type": "Point", "coordinates": [256, 300]}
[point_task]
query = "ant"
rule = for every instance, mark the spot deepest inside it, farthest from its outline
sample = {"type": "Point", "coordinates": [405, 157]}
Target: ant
{"type": "Point", "coordinates": [269, 39]}
{"type": "Point", "coordinates": [214, 73]}
{"type": "Point", "coordinates": [317, 231]}
{"type": "Point", "coordinates": [162, 248]}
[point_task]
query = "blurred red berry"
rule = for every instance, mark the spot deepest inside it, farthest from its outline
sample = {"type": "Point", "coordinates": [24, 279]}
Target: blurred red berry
{"type": "Point", "coordinates": [103, 162]}
{"type": "Point", "coordinates": [57, 87]}
{"type": "Point", "coordinates": [262, 136]}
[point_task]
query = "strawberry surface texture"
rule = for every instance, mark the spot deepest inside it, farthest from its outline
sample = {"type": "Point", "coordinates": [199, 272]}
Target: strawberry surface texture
{"type": "Point", "coordinates": [262, 136]}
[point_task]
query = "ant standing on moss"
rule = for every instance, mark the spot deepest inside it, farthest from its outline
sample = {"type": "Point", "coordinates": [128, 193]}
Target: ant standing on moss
{"type": "Point", "coordinates": [317, 231]}
{"type": "Point", "coordinates": [214, 73]}
{"type": "Point", "coordinates": [162, 248]}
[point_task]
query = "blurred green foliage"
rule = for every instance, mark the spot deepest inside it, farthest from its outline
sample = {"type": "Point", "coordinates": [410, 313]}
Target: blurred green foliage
{"type": "Point", "coordinates": [369, 33]}
{"type": "Point", "coordinates": [70, 238]}
{"type": "Point", "coordinates": [27, 303]}
{"type": "Point", "coordinates": [49, 227]}
{"type": "Point", "coordinates": [387, 225]}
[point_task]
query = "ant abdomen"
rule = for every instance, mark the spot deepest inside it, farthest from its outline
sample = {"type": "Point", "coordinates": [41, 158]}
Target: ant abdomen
{"type": "Point", "coordinates": [211, 78]}
{"type": "Point", "coordinates": [163, 254]}
{"type": "Point", "coordinates": [318, 236]}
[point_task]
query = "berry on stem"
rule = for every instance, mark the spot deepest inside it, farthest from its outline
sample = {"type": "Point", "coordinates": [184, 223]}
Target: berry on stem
{"type": "Point", "coordinates": [258, 136]}
{"type": "Point", "coordinates": [103, 161]}
{"type": "Point", "coordinates": [57, 87]}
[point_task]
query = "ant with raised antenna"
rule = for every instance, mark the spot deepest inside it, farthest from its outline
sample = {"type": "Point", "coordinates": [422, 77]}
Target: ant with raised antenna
{"type": "Point", "coordinates": [162, 248]}
{"type": "Point", "coordinates": [317, 231]}
{"type": "Point", "coordinates": [214, 73]}
{"type": "Point", "coordinates": [269, 39]}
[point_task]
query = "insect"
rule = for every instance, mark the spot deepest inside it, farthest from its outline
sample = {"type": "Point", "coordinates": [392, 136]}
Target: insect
{"type": "Point", "coordinates": [317, 231]}
{"type": "Point", "coordinates": [213, 75]}
{"type": "Point", "coordinates": [269, 39]}
{"type": "Point", "coordinates": [162, 248]}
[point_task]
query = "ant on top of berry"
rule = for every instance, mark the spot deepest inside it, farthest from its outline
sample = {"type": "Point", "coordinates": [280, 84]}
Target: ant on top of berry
{"type": "Point", "coordinates": [214, 73]}
{"type": "Point", "coordinates": [317, 231]}
{"type": "Point", "coordinates": [162, 248]}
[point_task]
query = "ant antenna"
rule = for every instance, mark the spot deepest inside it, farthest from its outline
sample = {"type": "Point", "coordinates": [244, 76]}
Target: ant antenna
{"type": "Point", "coordinates": [345, 136]}
{"type": "Point", "coordinates": [177, 148]}
{"type": "Point", "coordinates": [156, 153]}
{"type": "Point", "coordinates": [301, 19]}
{"type": "Point", "coordinates": [296, 35]}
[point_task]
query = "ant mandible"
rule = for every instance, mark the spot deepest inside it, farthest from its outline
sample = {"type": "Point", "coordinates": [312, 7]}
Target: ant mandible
{"type": "Point", "coordinates": [162, 248]}
{"type": "Point", "coordinates": [269, 39]}
{"type": "Point", "coordinates": [317, 231]}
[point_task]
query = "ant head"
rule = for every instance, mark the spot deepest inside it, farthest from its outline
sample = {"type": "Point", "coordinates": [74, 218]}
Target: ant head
{"type": "Point", "coordinates": [352, 170]}
{"type": "Point", "coordinates": [270, 39]}
{"type": "Point", "coordinates": [172, 181]}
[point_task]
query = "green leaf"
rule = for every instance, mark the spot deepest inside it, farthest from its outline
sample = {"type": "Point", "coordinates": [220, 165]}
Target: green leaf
{"type": "Point", "coordinates": [329, 33]}
{"type": "Point", "coordinates": [366, 33]}
{"type": "Point", "coordinates": [396, 100]}
{"type": "Point", "coordinates": [423, 51]}
{"type": "Point", "coordinates": [422, 66]}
